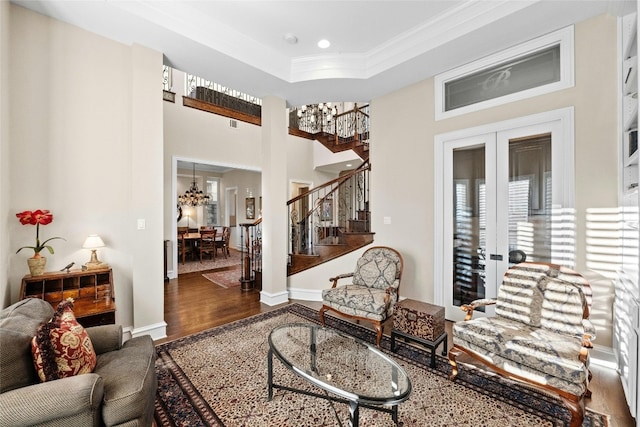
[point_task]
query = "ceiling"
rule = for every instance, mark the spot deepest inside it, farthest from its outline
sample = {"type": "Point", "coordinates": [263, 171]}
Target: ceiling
{"type": "Point", "coordinates": [376, 47]}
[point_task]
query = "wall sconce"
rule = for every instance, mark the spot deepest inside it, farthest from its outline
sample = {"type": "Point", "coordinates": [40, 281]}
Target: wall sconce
{"type": "Point", "coordinates": [93, 242]}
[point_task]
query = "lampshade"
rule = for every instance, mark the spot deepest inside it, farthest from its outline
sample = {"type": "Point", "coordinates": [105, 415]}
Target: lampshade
{"type": "Point", "coordinates": [92, 242]}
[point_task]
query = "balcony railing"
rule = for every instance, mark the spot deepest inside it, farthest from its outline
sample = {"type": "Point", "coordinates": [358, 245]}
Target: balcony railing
{"type": "Point", "coordinates": [216, 94]}
{"type": "Point", "coordinates": [167, 78]}
{"type": "Point", "coordinates": [346, 128]}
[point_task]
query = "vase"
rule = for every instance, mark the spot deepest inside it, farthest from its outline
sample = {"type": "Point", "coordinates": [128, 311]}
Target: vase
{"type": "Point", "coordinates": [37, 265]}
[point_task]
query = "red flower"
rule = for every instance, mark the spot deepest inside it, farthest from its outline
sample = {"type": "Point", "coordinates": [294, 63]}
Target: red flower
{"type": "Point", "coordinates": [26, 217]}
{"type": "Point", "coordinates": [42, 217]}
{"type": "Point", "coordinates": [36, 218]}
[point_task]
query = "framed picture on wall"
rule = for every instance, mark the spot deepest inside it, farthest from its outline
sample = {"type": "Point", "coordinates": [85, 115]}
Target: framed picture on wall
{"type": "Point", "coordinates": [251, 207]}
{"type": "Point", "coordinates": [326, 213]}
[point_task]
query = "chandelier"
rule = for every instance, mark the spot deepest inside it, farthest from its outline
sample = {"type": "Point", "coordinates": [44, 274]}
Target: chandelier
{"type": "Point", "coordinates": [318, 111]}
{"type": "Point", "coordinates": [193, 196]}
{"type": "Point", "coordinates": [316, 117]}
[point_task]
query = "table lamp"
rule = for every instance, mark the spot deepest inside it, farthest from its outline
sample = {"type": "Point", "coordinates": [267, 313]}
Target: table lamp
{"type": "Point", "coordinates": [93, 242]}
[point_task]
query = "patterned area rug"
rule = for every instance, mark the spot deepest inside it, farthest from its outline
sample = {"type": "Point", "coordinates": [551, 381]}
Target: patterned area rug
{"type": "Point", "coordinates": [219, 377]}
{"type": "Point", "coordinates": [228, 278]}
{"type": "Point", "coordinates": [191, 266]}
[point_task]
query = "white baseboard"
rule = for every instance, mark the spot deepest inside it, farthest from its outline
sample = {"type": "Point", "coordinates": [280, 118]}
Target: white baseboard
{"type": "Point", "coordinates": [603, 356]}
{"type": "Point", "coordinates": [126, 333]}
{"type": "Point", "coordinates": [274, 299]}
{"type": "Point", "coordinates": [305, 294]}
{"type": "Point", "coordinates": [157, 331]}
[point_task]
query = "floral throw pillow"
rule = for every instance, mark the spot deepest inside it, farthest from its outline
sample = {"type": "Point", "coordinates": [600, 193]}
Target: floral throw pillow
{"type": "Point", "coordinates": [61, 347]}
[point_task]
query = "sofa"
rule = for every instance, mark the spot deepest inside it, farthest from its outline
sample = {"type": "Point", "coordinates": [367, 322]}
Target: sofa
{"type": "Point", "coordinates": [540, 334]}
{"type": "Point", "coordinates": [119, 392]}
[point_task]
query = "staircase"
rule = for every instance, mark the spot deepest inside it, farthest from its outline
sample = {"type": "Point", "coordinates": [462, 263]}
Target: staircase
{"type": "Point", "coordinates": [345, 131]}
{"type": "Point", "coordinates": [330, 220]}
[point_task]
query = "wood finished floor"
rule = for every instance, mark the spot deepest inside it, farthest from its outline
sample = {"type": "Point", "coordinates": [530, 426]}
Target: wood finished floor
{"type": "Point", "coordinates": [194, 304]}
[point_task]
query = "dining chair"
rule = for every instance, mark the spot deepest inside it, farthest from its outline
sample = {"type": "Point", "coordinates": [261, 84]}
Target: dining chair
{"type": "Point", "coordinates": [222, 243]}
{"type": "Point", "coordinates": [208, 243]}
{"type": "Point", "coordinates": [183, 247]}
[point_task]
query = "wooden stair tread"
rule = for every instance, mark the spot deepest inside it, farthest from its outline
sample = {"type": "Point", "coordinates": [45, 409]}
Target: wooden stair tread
{"type": "Point", "coordinates": [353, 242]}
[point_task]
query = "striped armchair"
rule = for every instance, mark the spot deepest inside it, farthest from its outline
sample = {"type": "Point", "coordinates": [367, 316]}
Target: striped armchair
{"type": "Point", "coordinates": [540, 334]}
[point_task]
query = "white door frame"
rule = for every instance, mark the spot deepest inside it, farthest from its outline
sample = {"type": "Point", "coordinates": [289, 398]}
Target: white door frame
{"type": "Point", "coordinates": [228, 193]}
{"type": "Point", "coordinates": [173, 273]}
{"type": "Point", "coordinates": [296, 183]}
{"type": "Point", "coordinates": [563, 162]}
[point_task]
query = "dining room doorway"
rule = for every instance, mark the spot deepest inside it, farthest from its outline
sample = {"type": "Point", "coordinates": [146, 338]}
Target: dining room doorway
{"type": "Point", "coordinates": [226, 179]}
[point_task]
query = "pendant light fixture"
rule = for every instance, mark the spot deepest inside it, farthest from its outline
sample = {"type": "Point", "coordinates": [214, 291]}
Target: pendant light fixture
{"type": "Point", "coordinates": [317, 117]}
{"type": "Point", "coordinates": [193, 196]}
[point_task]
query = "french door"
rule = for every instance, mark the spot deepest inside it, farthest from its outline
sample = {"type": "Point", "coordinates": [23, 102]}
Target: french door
{"type": "Point", "coordinates": [503, 200]}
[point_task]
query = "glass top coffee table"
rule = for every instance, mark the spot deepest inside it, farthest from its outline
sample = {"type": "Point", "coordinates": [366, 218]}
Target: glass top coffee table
{"type": "Point", "coordinates": [355, 372]}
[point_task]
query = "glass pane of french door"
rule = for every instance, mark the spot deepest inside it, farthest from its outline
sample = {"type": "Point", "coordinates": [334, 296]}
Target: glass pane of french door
{"type": "Point", "coordinates": [469, 228]}
{"type": "Point", "coordinates": [469, 224]}
{"type": "Point", "coordinates": [530, 199]}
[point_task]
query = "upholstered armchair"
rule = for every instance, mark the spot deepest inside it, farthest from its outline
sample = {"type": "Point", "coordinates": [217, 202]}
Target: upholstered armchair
{"type": "Point", "coordinates": [119, 391]}
{"type": "Point", "coordinates": [540, 334]}
{"type": "Point", "coordinates": [372, 292]}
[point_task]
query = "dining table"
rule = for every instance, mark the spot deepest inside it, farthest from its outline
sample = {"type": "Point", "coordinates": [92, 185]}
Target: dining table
{"type": "Point", "coordinates": [192, 239]}
{"type": "Point", "coordinates": [192, 236]}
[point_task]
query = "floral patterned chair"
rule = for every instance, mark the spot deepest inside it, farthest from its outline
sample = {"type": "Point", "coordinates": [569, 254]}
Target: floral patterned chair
{"type": "Point", "coordinates": [373, 291]}
{"type": "Point", "coordinates": [540, 334]}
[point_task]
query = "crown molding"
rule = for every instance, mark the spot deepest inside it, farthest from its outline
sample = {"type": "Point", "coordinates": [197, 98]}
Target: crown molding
{"type": "Point", "coordinates": [182, 19]}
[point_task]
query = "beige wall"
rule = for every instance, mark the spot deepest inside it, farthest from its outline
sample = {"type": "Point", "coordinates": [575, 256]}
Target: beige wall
{"type": "Point", "coordinates": [404, 129]}
{"type": "Point", "coordinates": [249, 184]}
{"type": "Point", "coordinates": [85, 143]}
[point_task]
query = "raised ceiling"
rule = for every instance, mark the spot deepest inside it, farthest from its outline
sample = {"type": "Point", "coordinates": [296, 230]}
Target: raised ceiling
{"type": "Point", "coordinates": [376, 46]}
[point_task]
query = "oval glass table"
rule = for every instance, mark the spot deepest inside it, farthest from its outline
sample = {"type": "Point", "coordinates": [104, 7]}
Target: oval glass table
{"type": "Point", "coordinates": [355, 372]}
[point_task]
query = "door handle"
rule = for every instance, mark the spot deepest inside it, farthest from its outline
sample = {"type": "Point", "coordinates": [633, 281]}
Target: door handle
{"type": "Point", "coordinates": [495, 257]}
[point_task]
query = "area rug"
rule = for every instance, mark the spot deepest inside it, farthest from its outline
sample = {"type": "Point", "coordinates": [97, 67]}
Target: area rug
{"type": "Point", "coordinates": [219, 378]}
{"type": "Point", "coordinates": [190, 266]}
{"type": "Point", "coordinates": [228, 278]}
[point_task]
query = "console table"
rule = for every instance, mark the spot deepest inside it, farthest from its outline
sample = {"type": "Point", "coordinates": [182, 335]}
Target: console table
{"type": "Point", "coordinates": [92, 292]}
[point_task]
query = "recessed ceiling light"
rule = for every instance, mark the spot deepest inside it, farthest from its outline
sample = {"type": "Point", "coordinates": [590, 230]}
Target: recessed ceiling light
{"type": "Point", "coordinates": [348, 165]}
{"type": "Point", "coordinates": [324, 43]}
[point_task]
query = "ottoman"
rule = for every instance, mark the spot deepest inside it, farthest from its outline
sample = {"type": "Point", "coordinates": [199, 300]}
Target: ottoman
{"type": "Point", "coordinates": [420, 322]}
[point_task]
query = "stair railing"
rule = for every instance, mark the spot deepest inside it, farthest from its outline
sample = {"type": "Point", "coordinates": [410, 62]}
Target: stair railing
{"type": "Point", "coordinates": [352, 126]}
{"type": "Point", "coordinates": [323, 214]}
{"type": "Point", "coordinates": [251, 255]}
{"type": "Point", "coordinates": [349, 128]}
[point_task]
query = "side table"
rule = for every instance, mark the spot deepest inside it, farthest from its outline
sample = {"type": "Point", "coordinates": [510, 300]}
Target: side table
{"type": "Point", "coordinates": [422, 323]}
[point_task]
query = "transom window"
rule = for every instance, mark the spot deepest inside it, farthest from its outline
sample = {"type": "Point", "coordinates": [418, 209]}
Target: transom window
{"type": "Point", "coordinates": [533, 68]}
